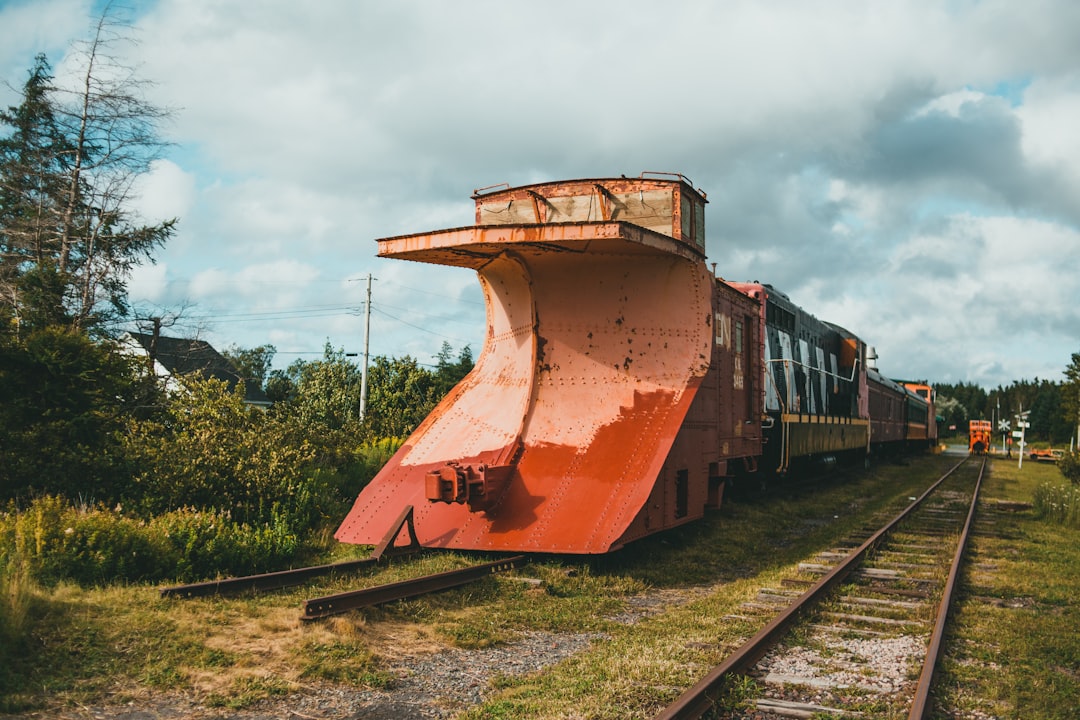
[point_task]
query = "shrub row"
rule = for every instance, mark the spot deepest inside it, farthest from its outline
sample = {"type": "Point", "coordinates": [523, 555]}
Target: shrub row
{"type": "Point", "coordinates": [1069, 465]}
{"type": "Point", "coordinates": [54, 540]}
{"type": "Point", "coordinates": [1058, 502]}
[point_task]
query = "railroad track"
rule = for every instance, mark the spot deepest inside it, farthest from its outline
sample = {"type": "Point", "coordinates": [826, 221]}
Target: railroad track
{"type": "Point", "coordinates": [327, 605]}
{"type": "Point", "coordinates": [846, 633]}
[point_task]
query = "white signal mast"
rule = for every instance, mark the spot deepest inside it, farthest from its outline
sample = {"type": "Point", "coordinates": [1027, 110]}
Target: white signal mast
{"type": "Point", "coordinates": [1023, 424]}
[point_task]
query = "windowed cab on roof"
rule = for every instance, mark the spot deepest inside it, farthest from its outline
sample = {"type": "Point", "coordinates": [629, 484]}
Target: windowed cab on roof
{"type": "Point", "coordinates": [669, 205]}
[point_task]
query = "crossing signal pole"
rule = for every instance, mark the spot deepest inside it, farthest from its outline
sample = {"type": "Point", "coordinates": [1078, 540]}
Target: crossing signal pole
{"type": "Point", "coordinates": [1023, 424]}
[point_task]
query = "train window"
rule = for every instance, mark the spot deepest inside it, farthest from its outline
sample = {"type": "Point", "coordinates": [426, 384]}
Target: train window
{"type": "Point", "coordinates": [693, 221]}
{"type": "Point", "coordinates": [780, 317]}
{"type": "Point", "coordinates": [738, 336]}
{"type": "Point", "coordinates": [699, 224]}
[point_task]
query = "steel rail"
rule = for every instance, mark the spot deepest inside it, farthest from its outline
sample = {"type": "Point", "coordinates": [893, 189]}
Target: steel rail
{"type": "Point", "coordinates": [287, 578]}
{"type": "Point", "coordinates": [265, 581]}
{"type": "Point", "coordinates": [933, 652]}
{"type": "Point", "coordinates": [697, 700]}
{"type": "Point", "coordinates": [343, 602]}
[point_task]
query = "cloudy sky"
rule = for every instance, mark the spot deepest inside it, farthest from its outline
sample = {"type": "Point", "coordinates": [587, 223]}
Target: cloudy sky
{"type": "Point", "coordinates": [909, 170]}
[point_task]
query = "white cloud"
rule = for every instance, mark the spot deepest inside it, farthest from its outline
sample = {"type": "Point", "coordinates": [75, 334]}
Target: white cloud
{"type": "Point", "coordinates": [211, 283]}
{"type": "Point", "coordinates": [32, 26]}
{"type": "Point", "coordinates": [167, 191]}
{"type": "Point", "coordinates": [272, 284]}
{"type": "Point", "coordinates": [148, 283]}
{"type": "Point", "coordinates": [951, 104]}
{"type": "Point", "coordinates": [1051, 116]}
{"type": "Point", "coordinates": [862, 157]}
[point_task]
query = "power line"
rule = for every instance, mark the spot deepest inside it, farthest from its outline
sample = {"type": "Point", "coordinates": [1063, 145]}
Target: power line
{"type": "Point", "coordinates": [440, 318]}
{"type": "Point", "coordinates": [422, 329]}
{"type": "Point", "coordinates": [428, 292]}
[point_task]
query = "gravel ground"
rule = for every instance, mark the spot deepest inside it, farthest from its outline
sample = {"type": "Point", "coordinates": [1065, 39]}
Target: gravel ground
{"type": "Point", "coordinates": [437, 685]}
{"type": "Point", "coordinates": [879, 665]}
{"type": "Point", "coordinates": [429, 686]}
{"type": "Point", "coordinates": [442, 684]}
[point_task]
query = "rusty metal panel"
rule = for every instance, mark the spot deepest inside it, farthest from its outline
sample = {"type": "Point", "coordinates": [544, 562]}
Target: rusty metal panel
{"type": "Point", "coordinates": [723, 424]}
{"type": "Point", "coordinates": [672, 208]}
{"type": "Point", "coordinates": [598, 337]}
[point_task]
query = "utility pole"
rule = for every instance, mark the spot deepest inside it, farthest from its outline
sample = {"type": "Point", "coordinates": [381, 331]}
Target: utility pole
{"type": "Point", "coordinates": [364, 367]}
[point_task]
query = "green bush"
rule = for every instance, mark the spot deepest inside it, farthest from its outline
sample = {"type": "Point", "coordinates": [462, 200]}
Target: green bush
{"type": "Point", "coordinates": [1058, 502]}
{"type": "Point", "coordinates": [208, 543]}
{"type": "Point", "coordinates": [53, 540]}
{"type": "Point", "coordinates": [1069, 465]}
{"type": "Point", "coordinates": [212, 451]}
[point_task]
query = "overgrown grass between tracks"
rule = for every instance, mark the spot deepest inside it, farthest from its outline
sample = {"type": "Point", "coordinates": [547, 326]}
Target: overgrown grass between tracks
{"type": "Point", "coordinates": [642, 666]}
{"type": "Point", "coordinates": [1014, 650]}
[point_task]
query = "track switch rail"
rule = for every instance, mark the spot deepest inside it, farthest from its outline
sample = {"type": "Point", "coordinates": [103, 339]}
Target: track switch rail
{"type": "Point", "coordinates": [289, 578]}
{"type": "Point", "coordinates": [343, 602]}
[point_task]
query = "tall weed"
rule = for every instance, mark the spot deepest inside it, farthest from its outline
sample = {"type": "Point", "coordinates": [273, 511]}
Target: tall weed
{"type": "Point", "coordinates": [1058, 502]}
{"type": "Point", "coordinates": [55, 540]}
{"type": "Point", "coordinates": [18, 593]}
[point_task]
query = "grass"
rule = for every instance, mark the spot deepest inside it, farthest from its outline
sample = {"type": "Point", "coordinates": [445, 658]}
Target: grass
{"type": "Point", "coordinates": [1058, 501]}
{"type": "Point", "coordinates": [638, 668]}
{"type": "Point", "coordinates": [124, 642]}
{"type": "Point", "coordinates": [1015, 650]}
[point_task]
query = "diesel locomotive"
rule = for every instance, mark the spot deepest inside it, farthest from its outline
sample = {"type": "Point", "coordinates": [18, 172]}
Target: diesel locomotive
{"type": "Point", "coordinates": [622, 384]}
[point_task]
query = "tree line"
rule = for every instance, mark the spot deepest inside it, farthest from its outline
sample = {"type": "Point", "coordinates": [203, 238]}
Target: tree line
{"type": "Point", "coordinates": [104, 473]}
{"type": "Point", "coordinates": [1053, 407]}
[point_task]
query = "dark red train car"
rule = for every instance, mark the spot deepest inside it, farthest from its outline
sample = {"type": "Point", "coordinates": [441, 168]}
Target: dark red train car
{"type": "Point", "coordinates": [888, 411]}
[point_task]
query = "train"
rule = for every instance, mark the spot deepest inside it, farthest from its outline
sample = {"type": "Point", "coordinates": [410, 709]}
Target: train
{"type": "Point", "coordinates": [622, 384]}
{"type": "Point", "coordinates": [980, 436]}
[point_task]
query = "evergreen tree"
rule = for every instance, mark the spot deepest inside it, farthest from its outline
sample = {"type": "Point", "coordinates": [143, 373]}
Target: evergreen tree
{"type": "Point", "coordinates": [31, 185]}
{"type": "Point", "coordinates": [66, 400]}
{"type": "Point", "coordinates": [449, 372]}
{"type": "Point", "coordinates": [1070, 397]}
{"type": "Point", "coordinates": [69, 156]}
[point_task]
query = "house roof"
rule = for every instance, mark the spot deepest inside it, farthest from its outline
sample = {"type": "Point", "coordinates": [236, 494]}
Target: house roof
{"type": "Point", "coordinates": [179, 356]}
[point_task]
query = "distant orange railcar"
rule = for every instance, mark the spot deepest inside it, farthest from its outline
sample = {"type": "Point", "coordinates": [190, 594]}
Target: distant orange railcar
{"type": "Point", "coordinates": [979, 436]}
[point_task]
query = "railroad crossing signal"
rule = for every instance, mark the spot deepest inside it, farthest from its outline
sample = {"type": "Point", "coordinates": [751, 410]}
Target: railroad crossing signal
{"type": "Point", "coordinates": [1004, 426]}
{"type": "Point", "coordinates": [1023, 424]}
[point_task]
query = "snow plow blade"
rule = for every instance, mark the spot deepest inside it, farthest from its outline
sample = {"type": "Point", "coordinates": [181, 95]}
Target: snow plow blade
{"type": "Point", "coordinates": [598, 337]}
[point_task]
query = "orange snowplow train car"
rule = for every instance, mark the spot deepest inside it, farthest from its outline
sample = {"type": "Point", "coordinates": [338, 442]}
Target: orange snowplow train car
{"type": "Point", "coordinates": [571, 433]}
